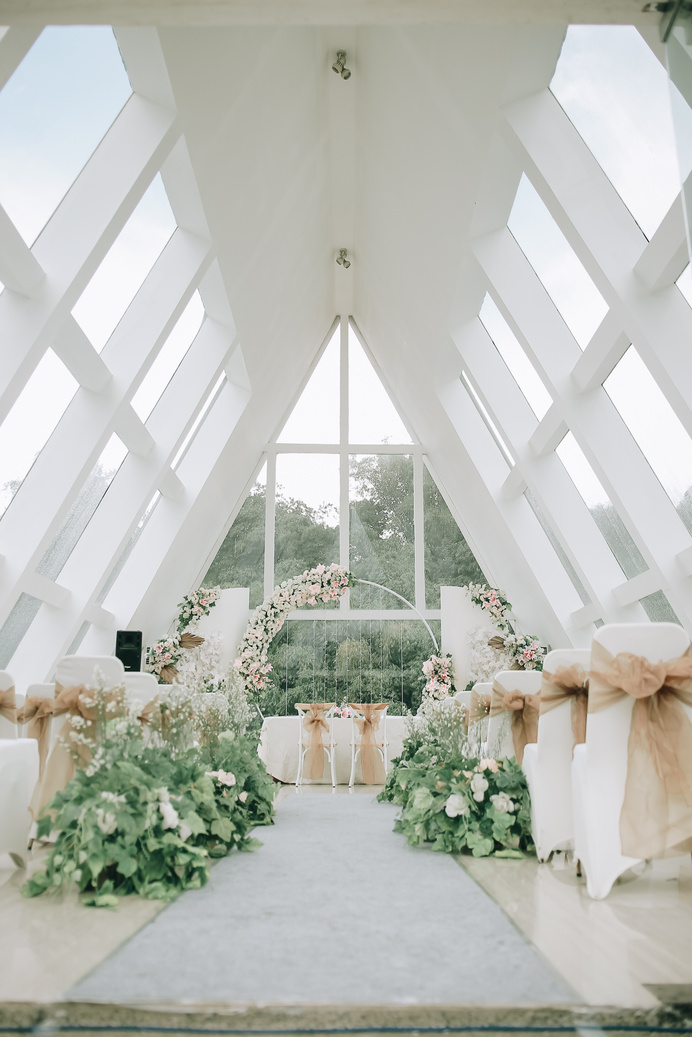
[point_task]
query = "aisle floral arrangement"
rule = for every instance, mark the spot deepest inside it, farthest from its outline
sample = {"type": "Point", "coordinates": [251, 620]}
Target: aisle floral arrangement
{"type": "Point", "coordinates": [321, 584]}
{"type": "Point", "coordinates": [147, 810]}
{"type": "Point", "coordinates": [452, 798]}
{"type": "Point", "coordinates": [438, 676]}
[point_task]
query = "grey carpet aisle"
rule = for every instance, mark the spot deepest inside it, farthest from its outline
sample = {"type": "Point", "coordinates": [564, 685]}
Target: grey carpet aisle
{"type": "Point", "coordinates": [333, 909]}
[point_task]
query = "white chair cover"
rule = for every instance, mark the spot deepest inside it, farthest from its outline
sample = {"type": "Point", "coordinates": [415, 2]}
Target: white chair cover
{"type": "Point", "coordinates": [463, 698]}
{"type": "Point", "coordinates": [548, 765]}
{"type": "Point", "coordinates": [527, 682]}
{"type": "Point", "coordinates": [79, 669]}
{"type": "Point", "coordinates": [18, 776]}
{"type": "Point", "coordinates": [140, 688]}
{"type": "Point", "coordinates": [309, 737]}
{"type": "Point", "coordinates": [7, 728]}
{"type": "Point", "coordinates": [599, 767]}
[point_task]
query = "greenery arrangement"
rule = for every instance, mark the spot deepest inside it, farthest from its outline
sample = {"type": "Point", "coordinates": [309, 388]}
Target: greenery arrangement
{"type": "Point", "coordinates": [453, 799]}
{"type": "Point", "coordinates": [145, 812]}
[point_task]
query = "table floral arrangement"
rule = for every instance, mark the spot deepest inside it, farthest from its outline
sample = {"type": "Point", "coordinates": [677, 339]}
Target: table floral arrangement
{"type": "Point", "coordinates": [321, 584]}
{"type": "Point", "coordinates": [507, 648]}
{"type": "Point", "coordinates": [451, 797]}
{"type": "Point", "coordinates": [147, 810]}
{"type": "Point", "coordinates": [164, 656]}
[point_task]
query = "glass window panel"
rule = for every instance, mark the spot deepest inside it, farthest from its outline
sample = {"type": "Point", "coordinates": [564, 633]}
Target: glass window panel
{"type": "Point", "coordinates": [307, 514]}
{"type": "Point", "coordinates": [199, 420]}
{"type": "Point", "coordinates": [372, 417]}
{"type": "Point", "coordinates": [684, 283]}
{"type": "Point", "coordinates": [54, 111]}
{"type": "Point", "coordinates": [616, 93]}
{"type": "Point", "coordinates": [655, 427]}
{"type": "Point", "coordinates": [124, 268]}
{"type": "Point", "coordinates": [83, 508]}
{"type": "Point", "coordinates": [315, 417]}
{"type": "Point", "coordinates": [487, 420]}
{"type": "Point", "coordinates": [605, 516]}
{"type": "Point", "coordinates": [169, 358]}
{"type": "Point", "coordinates": [16, 626]}
{"type": "Point", "coordinates": [574, 294]}
{"type": "Point", "coordinates": [239, 562]}
{"type": "Point", "coordinates": [28, 426]}
{"type": "Point", "coordinates": [658, 608]}
{"type": "Point", "coordinates": [515, 358]}
{"type": "Point", "coordinates": [127, 550]}
{"type": "Point", "coordinates": [382, 528]}
{"type": "Point", "coordinates": [449, 561]}
{"type": "Point", "coordinates": [558, 549]}
{"type": "Point", "coordinates": [343, 661]}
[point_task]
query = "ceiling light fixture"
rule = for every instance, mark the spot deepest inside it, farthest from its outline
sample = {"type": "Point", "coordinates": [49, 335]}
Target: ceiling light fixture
{"type": "Point", "coordinates": [342, 259]}
{"type": "Point", "coordinates": [339, 65]}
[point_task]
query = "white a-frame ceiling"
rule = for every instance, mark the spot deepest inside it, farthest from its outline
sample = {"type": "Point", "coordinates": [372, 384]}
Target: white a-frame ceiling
{"type": "Point", "coordinates": [272, 163]}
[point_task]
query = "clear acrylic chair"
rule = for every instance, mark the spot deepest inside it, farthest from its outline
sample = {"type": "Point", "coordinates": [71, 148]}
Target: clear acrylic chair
{"type": "Point", "coordinates": [369, 741]}
{"type": "Point", "coordinates": [315, 720]}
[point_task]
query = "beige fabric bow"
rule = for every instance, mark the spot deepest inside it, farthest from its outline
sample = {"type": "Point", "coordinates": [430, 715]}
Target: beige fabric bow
{"type": "Point", "coordinates": [368, 723]}
{"type": "Point", "coordinates": [60, 766]}
{"type": "Point", "coordinates": [314, 722]}
{"type": "Point", "coordinates": [525, 712]}
{"type": "Point", "coordinates": [8, 705]}
{"type": "Point", "coordinates": [568, 683]}
{"type": "Point", "coordinates": [657, 809]}
{"type": "Point", "coordinates": [36, 713]}
{"type": "Point", "coordinates": [479, 707]}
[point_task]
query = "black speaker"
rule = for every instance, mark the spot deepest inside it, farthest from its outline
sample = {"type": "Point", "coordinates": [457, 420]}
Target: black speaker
{"type": "Point", "coordinates": [128, 648]}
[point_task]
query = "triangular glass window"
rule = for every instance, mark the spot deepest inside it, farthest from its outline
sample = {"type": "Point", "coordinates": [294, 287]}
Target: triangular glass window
{"type": "Point", "coordinates": [372, 417]}
{"type": "Point", "coordinates": [449, 561]}
{"type": "Point", "coordinates": [315, 417]}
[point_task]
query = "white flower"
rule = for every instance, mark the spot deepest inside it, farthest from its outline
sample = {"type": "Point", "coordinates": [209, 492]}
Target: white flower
{"type": "Point", "coordinates": [242, 797]}
{"type": "Point", "coordinates": [223, 777]}
{"type": "Point", "coordinates": [112, 798]}
{"type": "Point", "coordinates": [169, 814]}
{"type": "Point", "coordinates": [502, 803]}
{"type": "Point", "coordinates": [478, 787]}
{"type": "Point", "coordinates": [456, 805]}
{"type": "Point", "coordinates": [106, 822]}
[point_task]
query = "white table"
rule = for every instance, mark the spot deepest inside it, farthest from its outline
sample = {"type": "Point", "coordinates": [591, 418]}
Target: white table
{"type": "Point", "coordinates": [278, 748]}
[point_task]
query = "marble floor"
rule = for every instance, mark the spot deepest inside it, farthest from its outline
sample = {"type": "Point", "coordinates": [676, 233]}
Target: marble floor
{"type": "Point", "coordinates": [620, 952]}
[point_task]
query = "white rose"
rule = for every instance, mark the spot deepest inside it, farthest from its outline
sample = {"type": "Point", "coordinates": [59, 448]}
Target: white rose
{"type": "Point", "coordinates": [502, 803]}
{"type": "Point", "coordinates": [170, 815]}
{"type": "Point", "coordinates": [456, 806]}
{"type": "Point", "coordinates": [106, 822]}
{"type": "Point", "coordinates": [478, 787]}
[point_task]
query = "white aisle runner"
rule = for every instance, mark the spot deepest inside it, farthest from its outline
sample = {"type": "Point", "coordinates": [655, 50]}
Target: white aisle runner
{"type": "Point", "coordinates": [334, 909]}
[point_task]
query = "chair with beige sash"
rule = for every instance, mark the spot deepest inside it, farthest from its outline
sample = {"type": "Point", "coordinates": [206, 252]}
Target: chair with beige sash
{"type": "Point", "coordinates": [547, 762]}
{"type": "Point", "coordinates": [74, 674]}
{"type": "Point", "coordinates": [140, 688]}
{"type": "Point", "coordinates": [479, 710]}
{"type": "Point", "coordinates": [8, 706]}
{"type": "Point", "coordinates": [369, 741]}
{"type": "Point", "coordinates": [316, 719]}
{"type": "Point", "coordinates": [632, 779]}
{"type": "Point", "coordinates": [513, 712]}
